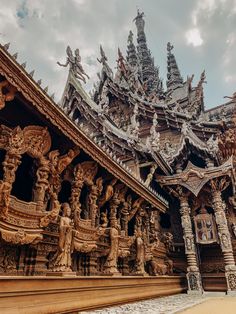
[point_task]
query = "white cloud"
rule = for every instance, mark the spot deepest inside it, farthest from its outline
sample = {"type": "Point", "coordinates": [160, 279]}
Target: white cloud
{"type": "Point", "coordinates": [193, 37]}
{"type": "Point", "coordinates": [230, 79]}
{"type": "Point", "coordinates": [40, 30]}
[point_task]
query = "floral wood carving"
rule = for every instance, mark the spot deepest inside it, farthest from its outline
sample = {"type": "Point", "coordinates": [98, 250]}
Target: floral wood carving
{"type": "Point", "coordinates": [20, 237]}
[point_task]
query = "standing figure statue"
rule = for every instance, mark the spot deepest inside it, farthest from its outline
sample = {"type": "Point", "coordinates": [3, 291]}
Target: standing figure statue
{"type": "Point", "coordinates": [75, 64]}
{"type": "Point", "coordinates": [62, 261]}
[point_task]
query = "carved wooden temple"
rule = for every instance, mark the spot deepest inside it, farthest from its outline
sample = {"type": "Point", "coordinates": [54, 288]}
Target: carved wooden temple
{"type": "Point", "coordinates": [126, 194]}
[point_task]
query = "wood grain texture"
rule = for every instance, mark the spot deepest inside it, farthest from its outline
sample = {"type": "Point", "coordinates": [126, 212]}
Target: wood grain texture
{"type": "Point", "coordinates": [43, 295]}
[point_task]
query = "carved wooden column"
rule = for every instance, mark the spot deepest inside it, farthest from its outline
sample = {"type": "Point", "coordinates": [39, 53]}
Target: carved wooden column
{"type": "Point", "coordinates": [41, 183]}
{"type": "Point", "coordinates": [193, 274]}
{"type": "Point", "coordinates": [10, 165]}
{"type": "Point", "coordinates": [218, 185]}
{"type": "Point", "coordinates": [114, 232]}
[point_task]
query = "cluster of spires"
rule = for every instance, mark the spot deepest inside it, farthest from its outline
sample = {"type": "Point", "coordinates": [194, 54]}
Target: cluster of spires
{"type": "Point", "coordinates": [31, 73]}
{"type": "Point", "coordinates": [141, 57]}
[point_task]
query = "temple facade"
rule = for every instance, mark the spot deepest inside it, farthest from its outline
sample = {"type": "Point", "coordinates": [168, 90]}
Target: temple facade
{"type": "Point", "coordinates": [134, 182]}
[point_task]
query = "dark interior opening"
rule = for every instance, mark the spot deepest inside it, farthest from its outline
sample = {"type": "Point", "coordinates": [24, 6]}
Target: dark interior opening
{"type": "Point", "coordinates": [65, 192]}
{"type": "Point", "coordinates": [165, 221]}
{"type": "Point", "coordinates": [131, 227]}
{"type": "Point", "coordinates": [23, 186]}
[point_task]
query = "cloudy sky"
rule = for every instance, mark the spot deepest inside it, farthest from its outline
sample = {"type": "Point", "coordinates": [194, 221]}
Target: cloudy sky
{"type": "Point", "coordinates": [203, 33]}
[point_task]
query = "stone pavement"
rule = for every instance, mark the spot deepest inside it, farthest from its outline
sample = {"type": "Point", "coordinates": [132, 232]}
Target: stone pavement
{"type": "Point", "coordinates": [163, 305]}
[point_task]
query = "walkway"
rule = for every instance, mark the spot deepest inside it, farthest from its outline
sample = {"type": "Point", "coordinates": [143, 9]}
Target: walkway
{"type": "Point", "coordinates": [209, 303]}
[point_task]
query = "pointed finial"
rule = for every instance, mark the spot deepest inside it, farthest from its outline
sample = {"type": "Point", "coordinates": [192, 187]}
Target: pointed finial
{"type": "Point", "coordinates": [130, 37]}
{"type": "Point", "coordinates": [46, 89]}
{"type": "Point", "coordinates": [15, 55]}
{"type": "Point", "coordinates": [6, 46]}
{"type": "Point", "coordinates": [39, 82]}
{"type": "Point", "coordinates": [169, 47]}
{"type": "Point", "coordinates": [53, 96]}
{"type": "Point", "coordinates": [23, 65]}
{"type": "Point", "coordinates": [31, 73]}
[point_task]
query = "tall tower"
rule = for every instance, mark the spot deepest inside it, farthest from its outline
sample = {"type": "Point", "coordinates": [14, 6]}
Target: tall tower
{"type": "Point", "coordinates": [174, 79]}
{"type": "Point", "coordinates": [149, 73]}
{"type": "Point", "coordinates": [131, 51]}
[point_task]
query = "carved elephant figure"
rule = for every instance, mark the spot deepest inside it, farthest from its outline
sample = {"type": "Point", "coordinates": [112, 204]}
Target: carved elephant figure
{"type": "Point", "coordinates": [157, 268]}
{"type": "Point", "coordinates": [169, 264]}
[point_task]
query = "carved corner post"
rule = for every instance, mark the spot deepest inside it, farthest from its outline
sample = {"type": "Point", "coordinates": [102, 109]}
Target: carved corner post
{"type": "Point", "coordinates": [193, 274]}
{"type": "Point", "coordinates": [10, 165]}
{"type": "Point", "coordinates": [217, 186]}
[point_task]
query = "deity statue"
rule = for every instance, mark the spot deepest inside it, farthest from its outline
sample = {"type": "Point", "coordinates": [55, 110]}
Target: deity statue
{"type": "Point", "coordinates": [108, 193]}
{"type": "Point", "coordinates": [111, 262]}
{"type": "Point", "coordinates": [150, 175]}
{"type": "Point", "coordinates": [103, 60]}
{"type": "Point", "coordinates": [62, 261]}
{"type": "Point", "coordinates": [125, 210]}
{"type": "Point", "coordinates": [104, 220]}
{"type": "Point", "coordinates": [140, 257]}
{"type": "Point", "coordinates": [75, 64]}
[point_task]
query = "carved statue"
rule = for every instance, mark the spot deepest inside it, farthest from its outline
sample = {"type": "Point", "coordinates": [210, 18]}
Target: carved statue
{"type": "Point", "coordinates": [104, 220]}
{"type": "Point", "coordinates": [140, 253]}
{"type": "Point", "coordinates": [124, 212]}
{"type": "Point", "coordinates": [62, 261]}
{"type": "Point", "coordinates": [41, 184]}
{"type": "Point", "coordinates": [168, 240]}
{"type": "Point", "coordinates": [6, 96]}
{"type": "Point", "coordinates": [104, 102]}
{"type": "Point", "coordinates": [111, 262]}
{"type": "Point", "coordinates": [108, 193]}
{"type": "Point", "coordinates": [74, 63]}
{"type": "Point", "coordinates": [57, 166]}
{"type": "Point", "coordinates": [157, 268]}
{"type": "Point", "coordinates": [95, 191]}
{"type": "Point", "coordinates": [5, 190]}
{"type": "Point", "coordinates": [150, 175]}
{"type": "Point", "coordinates": [103, 60]}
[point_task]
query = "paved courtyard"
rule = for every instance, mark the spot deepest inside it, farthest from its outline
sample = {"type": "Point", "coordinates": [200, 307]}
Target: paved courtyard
{"type": "Point", "coordinates": [209, 303]}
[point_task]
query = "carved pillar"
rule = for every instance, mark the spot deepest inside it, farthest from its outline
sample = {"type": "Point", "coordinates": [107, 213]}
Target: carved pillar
{"type": "Point", "coordinates": [217, 186]}
{"type": "Point", "coordinates": [193, 274]}
{"type": "Point", "coordinates": [114, 233]}
{"type": "Point", "coordinates": [10, 165]}
{"type": "Point", "coordinates": [41, 184]}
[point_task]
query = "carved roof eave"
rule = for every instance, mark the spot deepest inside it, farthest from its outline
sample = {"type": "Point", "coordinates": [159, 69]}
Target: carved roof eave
{"type": "Point", "coordinates": [192, 139]}
{"type": "Point", "coordinates": [19, 78]}
{"type": "Point", "coordinates": [194, 178]}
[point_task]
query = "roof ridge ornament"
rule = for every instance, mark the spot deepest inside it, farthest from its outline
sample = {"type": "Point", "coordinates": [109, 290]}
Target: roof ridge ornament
{"type": "Point", "coordinates": [105, 67]}
{"type": "Point", "coordinates": [174, 78]}
{"type": "Point", "coordinates": [75, 66]}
